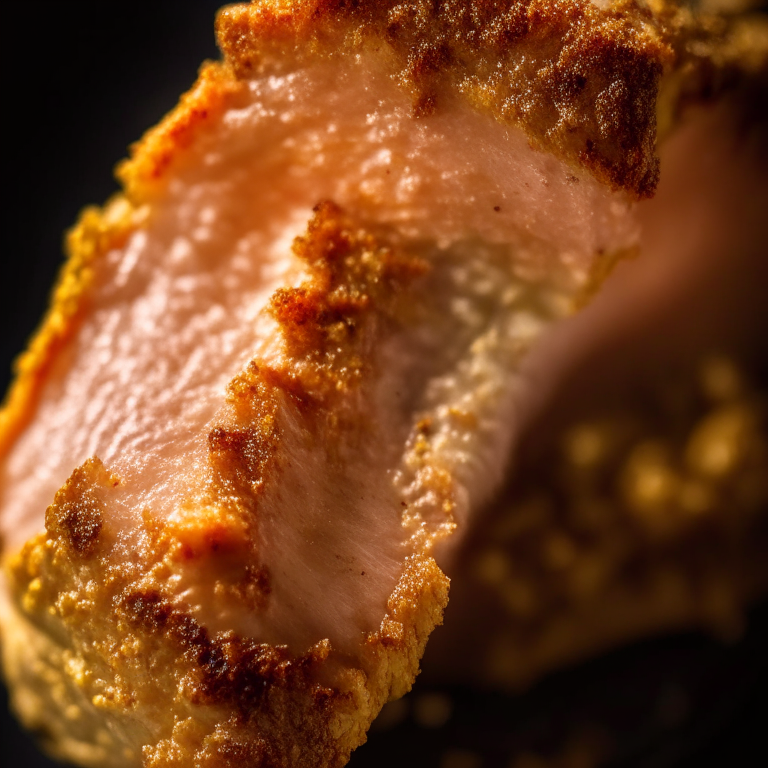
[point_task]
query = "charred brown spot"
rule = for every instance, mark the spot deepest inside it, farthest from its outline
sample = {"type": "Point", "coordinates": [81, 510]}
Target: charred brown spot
{"type": "Point", "coordinates": [245, 752]}
{"type": "Point", "coordinates": [82, 525]}
{"type": "Point", "coordinates": [151, 611]}
{"type": "Point", "coordinates": [428, 59]}
{"type": "Point", "coordinates": [255, 587]}
{"type": "Point", "coordinates": [76, 513]}
{"type": "Point", "coordinates": [239, 455]}
{"type": "Point", "coordinates": [227, 669]}
{"type": "Point", "coordinates": [425, 105]}
{"type": "Point", "coordinates": [295, 306]}
{"type": "Point", "coordinates": [260, 579]}
{"type": "Point", "coordinates": [424, 426]}
{"type": "Point", "coordinates": [147, 609]}
{"type": "Point", "coordinates": [241, 448]}
{"type": "Point", "coordinates": [244, 446]}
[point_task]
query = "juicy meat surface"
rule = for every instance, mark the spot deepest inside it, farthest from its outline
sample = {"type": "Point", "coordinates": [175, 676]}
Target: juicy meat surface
{"type": "Point", "coordinates": [184, 305]}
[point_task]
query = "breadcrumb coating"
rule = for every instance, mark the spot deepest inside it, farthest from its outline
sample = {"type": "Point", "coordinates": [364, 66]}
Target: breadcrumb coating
{"type": "Point", "coordinates": [579, 79]}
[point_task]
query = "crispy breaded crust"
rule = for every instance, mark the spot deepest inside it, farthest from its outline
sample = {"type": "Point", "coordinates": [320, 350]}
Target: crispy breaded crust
{"type": "Point", "coordinates": [584, 82]}
{"type": "Point", "coordinates": [162, 146]}
{"type": "Point", "coordinates": [177, 694]}
{"type": "Point", "coordinates": [108, 640]}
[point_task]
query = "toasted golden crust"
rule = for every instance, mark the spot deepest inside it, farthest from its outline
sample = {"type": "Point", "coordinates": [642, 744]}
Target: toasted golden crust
{"type": "Point", "coordinates": [211, 698]}
{"type": "Point", "coordinates": [155, 156]}
{"type": "Point", "coordinates": [326, 321]}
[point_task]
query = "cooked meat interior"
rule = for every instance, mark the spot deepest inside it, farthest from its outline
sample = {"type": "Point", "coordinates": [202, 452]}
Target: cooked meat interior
{"type": "Point", "coordinates": [283, 370]}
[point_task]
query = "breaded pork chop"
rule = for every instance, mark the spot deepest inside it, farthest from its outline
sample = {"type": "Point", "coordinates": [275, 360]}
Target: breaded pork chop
{"type": "Point", "coordinates": [282, 370]}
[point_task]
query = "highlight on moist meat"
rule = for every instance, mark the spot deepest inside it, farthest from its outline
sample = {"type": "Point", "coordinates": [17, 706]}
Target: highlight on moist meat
{"type": "Point", "coordinates": [284, 370]}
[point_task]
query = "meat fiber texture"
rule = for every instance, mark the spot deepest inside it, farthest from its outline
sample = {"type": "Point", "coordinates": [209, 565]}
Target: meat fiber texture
{"type": "Point", "coordinates": [283, 370]}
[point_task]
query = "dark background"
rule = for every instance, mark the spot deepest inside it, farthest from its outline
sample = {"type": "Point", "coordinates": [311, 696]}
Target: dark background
{"type": "Point", "coordinates": [80, 82]}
